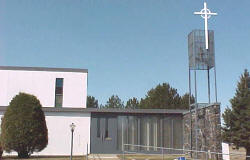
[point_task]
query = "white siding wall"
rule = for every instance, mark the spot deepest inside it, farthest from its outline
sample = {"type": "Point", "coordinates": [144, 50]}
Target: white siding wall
{"type": "Point", "coordinates": [59, 133]}
{"type": "Point", "coordinates": [42, 85]}
{"type": "Point", "coordinates": [225, 151]}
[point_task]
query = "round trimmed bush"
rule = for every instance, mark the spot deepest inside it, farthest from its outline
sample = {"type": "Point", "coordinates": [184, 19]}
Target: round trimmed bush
{"type": "Point", "coordinates": [23, 126]}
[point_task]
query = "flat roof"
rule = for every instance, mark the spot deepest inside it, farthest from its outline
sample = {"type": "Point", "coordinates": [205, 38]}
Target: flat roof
{"type": "Point", "coordinates": [137, 111]}
{"type": "Point", "coordinates": [43, 69]}
{"type": "Point", "coordinates": [109, 110]}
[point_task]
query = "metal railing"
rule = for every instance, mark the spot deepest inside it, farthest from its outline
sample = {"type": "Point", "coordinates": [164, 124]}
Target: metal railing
{"type": "Point", "coordinates": [171, 151]}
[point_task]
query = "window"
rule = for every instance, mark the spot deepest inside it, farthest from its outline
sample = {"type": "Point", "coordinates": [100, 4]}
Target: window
{"type": "Point", "coordinates": [122, 135]}
{"type": "Point", "coordinates": [149, 130]}
{"type": "Point", "coordinates": [106, 128]}
{"type": "Point", "coordinates": [132, 132]}
{"type": "Point", "coordinates": [59, 92]}
{"type": "Point", "coordinates": [98, 127]}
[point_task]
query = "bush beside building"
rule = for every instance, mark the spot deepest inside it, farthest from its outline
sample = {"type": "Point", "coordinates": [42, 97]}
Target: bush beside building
{"type": "Point", "coordinates": [23, 126]}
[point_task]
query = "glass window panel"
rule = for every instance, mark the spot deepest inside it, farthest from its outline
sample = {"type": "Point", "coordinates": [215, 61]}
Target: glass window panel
{"type": "Point", "coordinates": [132, 131]}
{"type": "Point", "coordinates": [119, 133]}
{"type": "Point", "coordinates": [59, 82]}
{"type": "Point", "coordinates": [177, 136]}
{"type": "Point", "coordinates": [161, 139]}
{"type": "Point", "coordinates": [145, 132]}
{"type": "Point", "coordinates": [106, 128]}
{"type": "Point", "coordinates": [155, 132]}
{"type": "Point", "coordinates": [125, 130]}
{"type": "Point", "coordinates": [58, 101]}
{"type": "Point", "coordinates": [167, 132]}
{"type": "Point", "coordinates": [98, 127]}
{"type": "Point", "coordinates": [149, 131]}
{"type": "Point", "coordinates": [59, 92]}
{"type": "Point", "coordinates": [142, 132]}
{"type": "Point", "coordinates": [122, 134]}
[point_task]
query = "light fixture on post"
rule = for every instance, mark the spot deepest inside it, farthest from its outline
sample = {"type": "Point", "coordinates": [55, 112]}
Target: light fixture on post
{"type": "Point", "coordinates": [72, 128]}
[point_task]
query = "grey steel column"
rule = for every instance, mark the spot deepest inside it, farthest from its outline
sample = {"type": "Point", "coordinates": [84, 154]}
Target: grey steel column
{"type": "Point", "coordinates": [196, 123]}
{"type": "Point", "coordinates": [215, 84]}
{"type": "Point", "coordinates": [172, 128]}
{"type": "Point", "coordinates": [189, 102]}
{"type": "Point", "coordinates": [122, 133]}
{"type": "Point", "coordinates": [208, 84]}
{"type": "Point", "coordinates": [139, 133]}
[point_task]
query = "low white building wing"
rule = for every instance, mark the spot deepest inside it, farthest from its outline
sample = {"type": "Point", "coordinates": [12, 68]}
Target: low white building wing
{"type": "Point", "coordinates": [62, 93]}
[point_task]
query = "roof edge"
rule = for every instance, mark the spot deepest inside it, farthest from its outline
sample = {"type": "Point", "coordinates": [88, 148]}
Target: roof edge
{"type": "Point", "coordinates": [108, 110]}
{"type": "Point", "coordinates": [20, 68]}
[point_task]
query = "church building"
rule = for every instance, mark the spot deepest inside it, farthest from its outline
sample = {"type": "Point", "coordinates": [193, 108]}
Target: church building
{"type": "Point", "coordinates": [63, 93]}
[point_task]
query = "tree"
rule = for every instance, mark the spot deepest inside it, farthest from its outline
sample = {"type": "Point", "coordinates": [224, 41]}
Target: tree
{"type": "Point", "coordinates": [236, 128]}
{"type": "Point", "coordinates": [162, 97]}
{"type": "Point", "coordinates": [23, 126]}
{"type": "Point", "coordinates": [226, 130]}
{"type": "Point", "coordinates": [132, 103]}
{"type": "Point", "coordinates": [185, 101]}
{"type": "Point", "coordinates": [92, 102]}
{"type": "Point", "coordinates": [114, 102]}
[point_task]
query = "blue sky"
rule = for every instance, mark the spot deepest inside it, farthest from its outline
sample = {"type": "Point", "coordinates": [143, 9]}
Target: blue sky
{"type": "Point", "coordinates": [128, 46]}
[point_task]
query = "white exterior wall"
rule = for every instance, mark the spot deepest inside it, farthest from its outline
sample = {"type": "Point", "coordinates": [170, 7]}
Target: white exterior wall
{"type": "Point", "coordinates": [59, 133]}
{"type": "Point", "coordinates": [42, 85]}
{"type": "Point", "coordinates": [225, 151]}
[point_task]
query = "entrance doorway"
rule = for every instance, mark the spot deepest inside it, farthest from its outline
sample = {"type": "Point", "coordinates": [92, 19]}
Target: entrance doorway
{"type": "Point", "coordinates": [103, 134]}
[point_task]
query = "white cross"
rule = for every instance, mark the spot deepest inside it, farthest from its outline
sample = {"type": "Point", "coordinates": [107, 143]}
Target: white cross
{"type": "Point", "coordinates": [206, 14]}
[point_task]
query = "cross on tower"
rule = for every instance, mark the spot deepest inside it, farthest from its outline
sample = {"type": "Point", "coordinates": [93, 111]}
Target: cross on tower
{"type": "Point", "coordinates": [206, 14]}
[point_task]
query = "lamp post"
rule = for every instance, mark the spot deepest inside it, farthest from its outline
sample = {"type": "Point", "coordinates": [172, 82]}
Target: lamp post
{"type": "Point", "coordinates": [72, 128]}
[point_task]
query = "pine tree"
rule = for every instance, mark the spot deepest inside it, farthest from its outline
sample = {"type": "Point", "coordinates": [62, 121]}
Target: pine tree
{"type": "Point", "coordinates": [23, 126]}
{"type": "Point", "coordinates": [114, 102]}
{"type": "Point", "coordinates": [92, 102]}
{"type": "Point", "coordinates": [132, 103]}
{"type": "Point", "coordinates": [236, 128]}
{"type": "Point", "coordinates": [185, 101]}
{"type": "Point", "coordinates": [163, 96]}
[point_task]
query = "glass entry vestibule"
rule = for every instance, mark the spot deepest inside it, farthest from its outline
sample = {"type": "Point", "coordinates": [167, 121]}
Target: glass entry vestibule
{"type": "Point", "coordinates": [110, 131]}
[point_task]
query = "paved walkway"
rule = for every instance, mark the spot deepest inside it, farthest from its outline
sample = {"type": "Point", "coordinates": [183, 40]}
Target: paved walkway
{"type": "Point", "coordinates": [103, 157]}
